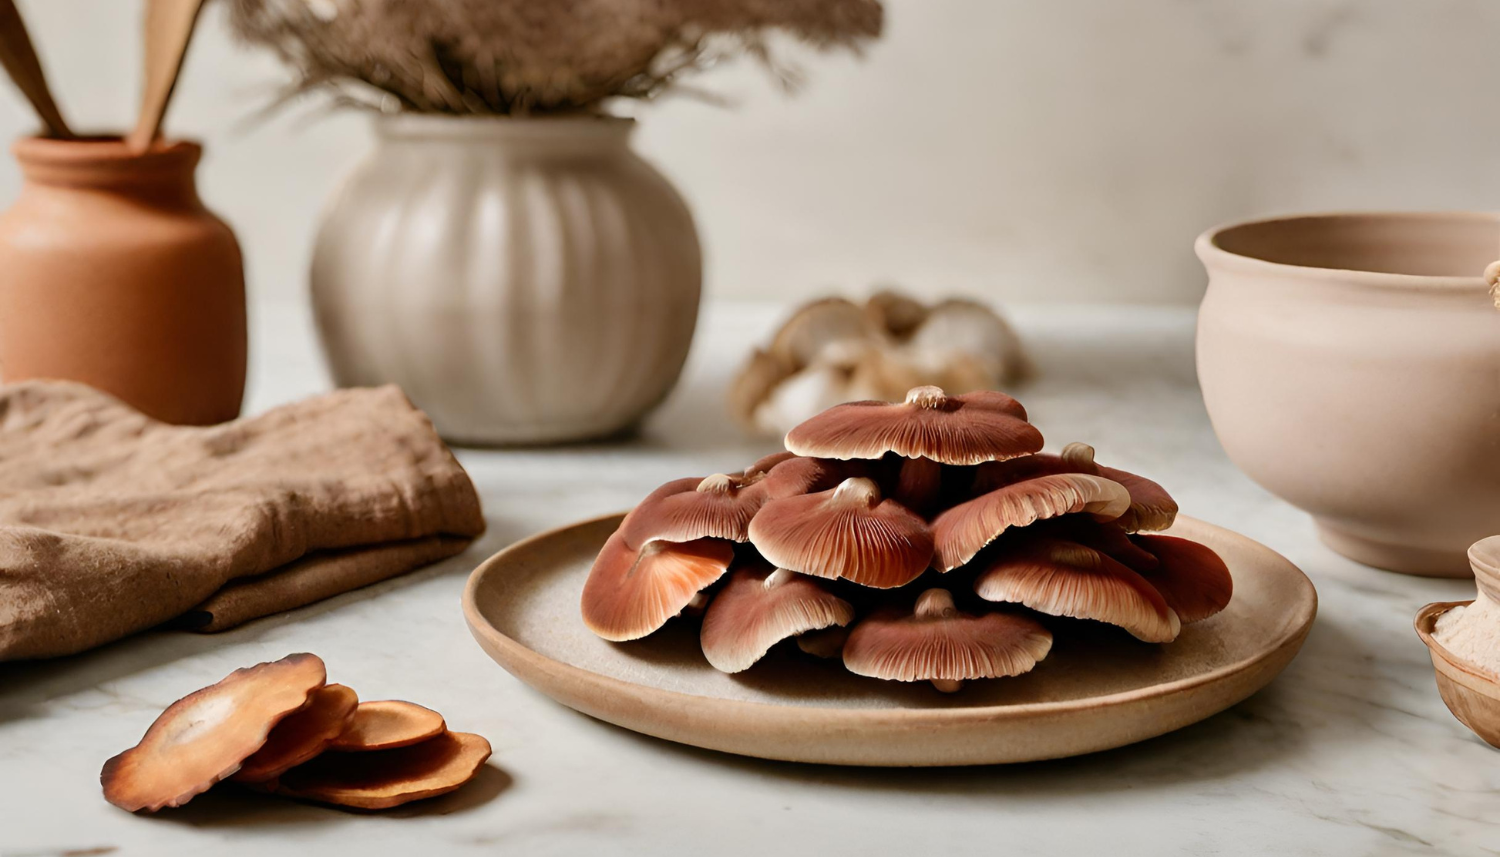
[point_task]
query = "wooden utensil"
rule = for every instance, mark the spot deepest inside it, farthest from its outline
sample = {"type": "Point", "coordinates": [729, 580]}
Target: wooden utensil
{"type": "Point", "coordinates": [21, 63]}
{"type": "Point", "coordinates": [169, 28]}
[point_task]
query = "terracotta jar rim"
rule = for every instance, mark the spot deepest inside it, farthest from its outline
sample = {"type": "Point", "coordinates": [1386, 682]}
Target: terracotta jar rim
{"type": "Point", "coordinates": [1209, 248]}
{"type": "Point", "coordinates": [103, 151]}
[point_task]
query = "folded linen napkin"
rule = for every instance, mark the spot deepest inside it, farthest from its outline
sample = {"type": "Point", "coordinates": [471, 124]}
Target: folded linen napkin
{"type": "Point", "coordinates": [111, 522]}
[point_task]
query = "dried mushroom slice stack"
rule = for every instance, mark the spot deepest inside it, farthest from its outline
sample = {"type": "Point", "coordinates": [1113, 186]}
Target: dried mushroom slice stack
{"type": "Point", "coordinates": [279, 727]}
{"type": "Point", "coordinates": [926, 540]}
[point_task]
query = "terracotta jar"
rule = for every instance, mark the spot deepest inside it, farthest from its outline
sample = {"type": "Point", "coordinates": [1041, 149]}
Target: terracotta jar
{"type": "Point", "coordinates": [1351, 365]}
{"type": "Point", "coordinates": [524, 280]}
{"type": "Point", "coordinates": [114, 274]}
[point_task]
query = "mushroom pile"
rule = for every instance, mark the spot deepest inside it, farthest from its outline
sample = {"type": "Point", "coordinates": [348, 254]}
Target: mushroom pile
{"type": "Point", "coordinates": [834, 350]}
{"type": "Point", "coordinates": [280, 727]}
{"type": "Point", "coordinates": [925, 540]}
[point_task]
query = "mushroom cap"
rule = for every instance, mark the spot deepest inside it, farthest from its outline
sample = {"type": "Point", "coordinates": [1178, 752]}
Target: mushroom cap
{"type": "Point", "coordinates": [1190, 576]}
{"type": "Point", "coordinates": [967, 429]}
{"type": "Point", "coordinates": [631, 593]}
{"type": "Point", "coordinates": [848, 532]}
{"type": "Point", "coordinates": [799, 475]}
{"type": "Point", "coordinates": [994, 475]}
{"type": "Point", "coordinates": [817, 326]}
{"type": "Point", "coordinates": [759, 608]}
{"type": "Point", "coordinates": [936, 642]}
{"type": "Point", "coordinates": [764, 465]}
{"type": "Point", "coordinates": [386, 724]}
{"type": "Point", "coordinates": [385, 778]}
{"type": "Point", "coordinates": [1151, 507]}
{"type": "Point", "coordinates": [1063, 578]}
{"type": "Point", "coordinates": [962, 531]}
{"type": "Point", "coordinates": [895, 313]}
{"type": "Point", "coordinates": [718, 506]}
{"type": "Point", "coordinates": [302, 735]}
{"type": "Point", "coordinates": [203, 737]}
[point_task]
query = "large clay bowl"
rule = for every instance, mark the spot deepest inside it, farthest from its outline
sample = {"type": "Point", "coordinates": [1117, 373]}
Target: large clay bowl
{"type": "Point", "coordinates": [1351, 365]}
{"type": "Point", "coordinates": [1097, 689]}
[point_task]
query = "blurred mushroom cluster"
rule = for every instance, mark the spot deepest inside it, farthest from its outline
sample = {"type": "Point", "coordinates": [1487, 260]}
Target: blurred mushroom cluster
{"type": "Point", "coordinates": [834, 350]}
{"type": "Point", "coordinates": [925, 540]}
{"type": "Point", "coordinates": [279, 727]}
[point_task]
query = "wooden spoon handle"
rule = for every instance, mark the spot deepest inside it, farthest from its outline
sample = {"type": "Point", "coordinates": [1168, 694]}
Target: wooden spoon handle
{"type": "Point", "coordinates": [21, 63]}
{"type": "Point", "coordinates": [169, 28]}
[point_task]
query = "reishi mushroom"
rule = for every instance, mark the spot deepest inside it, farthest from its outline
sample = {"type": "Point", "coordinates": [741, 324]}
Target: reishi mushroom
{"type": "Point", "coordinates": [631, 593]}
{"type": "Point", "coordinates": [868, 497]}
{"type": "Point", "coordinates": [302, 735]}
{"type": "Point", "coordinates": [847, 532]}
{"type": "Point", "coordinates": [937, 643]}
{"type": "Point", "coordinates": [381, 779]}
{"type": "Point", "coordinates": [386, 724]}
{"type": "Point", "coordinates": [759, 608]}
{"type": "Point", "coordinates": [205, 736]}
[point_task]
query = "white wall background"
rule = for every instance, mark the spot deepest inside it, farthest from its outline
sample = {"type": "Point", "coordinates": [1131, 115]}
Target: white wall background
{"type": "Point", "coordinates": [1031, 150]}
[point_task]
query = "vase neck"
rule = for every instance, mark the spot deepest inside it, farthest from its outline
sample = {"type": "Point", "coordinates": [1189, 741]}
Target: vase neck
{"type": "Point", "coordinates": [560, 136]}
{"type": "Point", "coordinates": [164, 174]}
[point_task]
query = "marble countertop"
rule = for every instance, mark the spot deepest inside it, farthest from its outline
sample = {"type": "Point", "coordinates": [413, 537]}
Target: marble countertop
{"type": "Point", "coordinates": [1350, 751]}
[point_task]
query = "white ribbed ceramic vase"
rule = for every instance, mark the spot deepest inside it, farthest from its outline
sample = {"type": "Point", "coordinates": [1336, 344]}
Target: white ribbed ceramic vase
{"type": "Point", "coordinates": [523, 280]}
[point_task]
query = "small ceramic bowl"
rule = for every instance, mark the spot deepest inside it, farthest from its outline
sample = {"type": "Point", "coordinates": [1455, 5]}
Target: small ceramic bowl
{"type": "Point", "coordinates": [1471, 693]}
{"type": "Point", "coordinates": [1351, 365]}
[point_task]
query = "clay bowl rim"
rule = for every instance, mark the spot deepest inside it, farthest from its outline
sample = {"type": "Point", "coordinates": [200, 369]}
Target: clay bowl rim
{"type": "Point", "coordinates": [480, 626]}
{"type": "Point", "coordinates": [1214, 257]}
{"type": "Point", "coordinates": [1424, 622]}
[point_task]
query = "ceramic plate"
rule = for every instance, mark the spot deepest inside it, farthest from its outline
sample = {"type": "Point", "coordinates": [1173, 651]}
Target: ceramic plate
{"type": "Point", "coordinates": [1098, 689]}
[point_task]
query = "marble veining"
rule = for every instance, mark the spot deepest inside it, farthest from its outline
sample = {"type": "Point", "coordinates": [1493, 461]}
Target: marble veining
{"type": "Point", "coordinates": [1349, 752]}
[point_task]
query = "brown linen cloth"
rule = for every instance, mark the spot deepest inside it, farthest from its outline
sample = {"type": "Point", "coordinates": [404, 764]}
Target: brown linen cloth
{"type": "Point", "coordinates": [111, 523]}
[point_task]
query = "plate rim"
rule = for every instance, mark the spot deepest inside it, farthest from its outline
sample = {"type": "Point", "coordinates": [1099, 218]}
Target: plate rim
{"type": "Point", "coordinates": [482, 629]}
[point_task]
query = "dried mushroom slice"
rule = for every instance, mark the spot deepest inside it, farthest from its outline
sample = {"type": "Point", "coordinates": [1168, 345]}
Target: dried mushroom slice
{"type": "Point", "coordinates": [302, 735]}
{"type": "Point", "coordinates": [1191, 577]}
{"type": "Point", "coordinates": [759, 608]}
{"type": "Point", "coordinates": [1064, 578]}
{"type": "Point", "coordinates": [631, 593]}
{"type": "Point", "coordinates": [205, 736]}
{"type": "Point", "coordinates": [382, 779]}
{"type": "Point", "coordinates": [848, 532]}
{"type": "Point", "coordinates": [387, 724]}
{"type": "Point", "coordinates": [937, 643]}
{"type": "Point", "coordinates": [969, 429]}
{"type": "Point", "coordinates": [962, 532]}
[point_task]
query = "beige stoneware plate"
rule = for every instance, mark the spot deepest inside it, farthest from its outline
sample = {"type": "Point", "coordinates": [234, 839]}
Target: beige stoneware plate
{"type": "Point", "coordinates": [1097, 690]}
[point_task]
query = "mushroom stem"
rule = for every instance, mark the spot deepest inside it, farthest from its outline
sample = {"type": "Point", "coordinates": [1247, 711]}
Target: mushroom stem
{"type": "Point", "coordinates": [718, 483]}
{"type": "Point", "coordinates": [824, 642]}
{"type": "Point", "coordinates": [935, 604]}
{"type": "Point", "coordinates": [946, 685]}
{"type": "Point", "coordinates": [929, 397]}
{"type": "Point", "coordinates": [857, 489]}
{"type": "Point", "coordinates": [778, 577]}
{"type": "Point", "coordinates": [918, 484]}
{"type": "Point", "coordinates": [1081, 457]}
